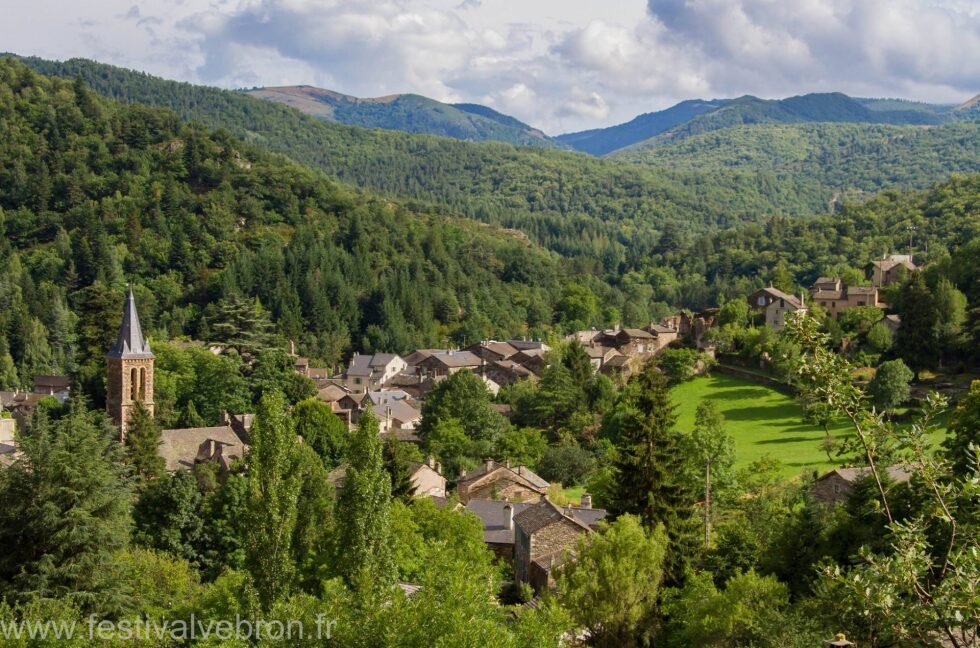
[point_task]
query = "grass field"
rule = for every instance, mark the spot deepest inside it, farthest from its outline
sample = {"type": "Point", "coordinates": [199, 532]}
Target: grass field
{"type": "Point", "coordinates": [764, 421]}
{"type": "Point", "coordinates": [760, 419]}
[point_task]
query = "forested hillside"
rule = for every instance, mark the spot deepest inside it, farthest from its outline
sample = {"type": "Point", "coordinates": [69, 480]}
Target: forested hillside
{"type": "Point", "coordinates": [600, 141]}
{"type": "Point", "coordinates": [94, 194]}
{"type": "Point", "coordinates": [410, 113]}
{"type": "Point", "coordinates": [832, 159]}
{"type": "Point", "coordinates": [607, 214]}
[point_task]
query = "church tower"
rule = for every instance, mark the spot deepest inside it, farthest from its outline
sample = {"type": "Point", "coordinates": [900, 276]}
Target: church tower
{"type": "Point", "coordinates": [130, 365]}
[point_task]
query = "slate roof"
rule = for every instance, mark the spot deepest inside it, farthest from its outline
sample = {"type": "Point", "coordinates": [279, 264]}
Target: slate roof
{"type": "Point", "coordinates": [657, 329]}
{"type": "Point", "coordinates": [899, 473]}
{"type": "Point", "coordinates": [331, 394]}
{"type": "Point", "coordinates": [523, 471]}
{"type": "Point", "coordinates": [360, 365]}
{"type": "Point", "coordinates": [779, 294]}
{"type": "Point", "coordinates": [180, 447]}
{"type": "Point", "coordinates": [130, 343]}
{"type": "Point", "coordinates": [543, 513]}
{"type": "Point", "coordinates": [455, 359]}
{"type": "Point", "coordinates": [491, 514]}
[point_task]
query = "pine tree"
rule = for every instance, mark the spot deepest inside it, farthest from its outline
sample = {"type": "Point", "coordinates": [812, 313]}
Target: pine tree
{"type": "Point", "coordinates": [649, 469]}
{"type": "Point", "coordinates": [364, 541]}
{"type": "Point", "coordinates": [64, 514]}
{"type": "Point", "coordinates": [274, 485]}
{"type": "Point", "coordinates": [916, 340]}
{"type": "Point", "coordinates": [143, 445]}
{"type": "Point", "coordinates": [399, 470]}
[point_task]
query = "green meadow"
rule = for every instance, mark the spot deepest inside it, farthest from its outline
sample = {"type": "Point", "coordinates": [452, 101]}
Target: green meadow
{"type": "Point", "coordinates": [762, 421]}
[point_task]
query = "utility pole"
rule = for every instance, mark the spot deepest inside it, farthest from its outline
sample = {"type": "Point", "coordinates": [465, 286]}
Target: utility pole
{"type": "Point", "coordinates": [911, 229]}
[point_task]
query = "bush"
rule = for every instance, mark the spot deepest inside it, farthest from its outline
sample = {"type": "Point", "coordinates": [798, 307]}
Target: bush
{"type": "Point", "coordinates": [568, 465]}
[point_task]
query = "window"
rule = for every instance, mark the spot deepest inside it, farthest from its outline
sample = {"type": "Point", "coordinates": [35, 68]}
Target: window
{"type": "Point", "coordinates": [762, 300]}
{"type": "Point", "coordinates": [357, 381]}
{"type": "Point", "coordinates": [134, 384]}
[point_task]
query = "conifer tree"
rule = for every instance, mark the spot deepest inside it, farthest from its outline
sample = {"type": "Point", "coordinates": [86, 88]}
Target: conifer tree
{"type": "Point", "coordinates": [64, 514]}
{"type": "Point", "coordinates": [916, 340]}
{"type": "Point", "coordinates": [649, 469]}
{"type": "Point", "coordinates": [143, 445]}
{"type": "Point", "coordinates": [397, 464]}
{"type": "Point", "coordinates": [274, 485]}
{"type": "Point", "coordinates": [364, 543]}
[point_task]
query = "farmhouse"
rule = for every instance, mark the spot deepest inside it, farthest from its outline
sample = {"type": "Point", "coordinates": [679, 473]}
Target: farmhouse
{"type": "Point", "coordinates": [371, 372]}
{"type": "Point", "coordinates": [890, 268]}
{"type": "Point", "coordinates": [545, 538]}
{"type": "Point", "coordinates": [500, 481]}
{"type": "Point", "coordinates": [830, 293]}
{"type": "Point", "coordinates": [837, 485]}
{"type": "Point", "coordinates": [776, 304]}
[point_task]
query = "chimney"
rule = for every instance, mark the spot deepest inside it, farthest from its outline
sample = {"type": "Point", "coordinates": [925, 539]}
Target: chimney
{"type": "Point", "coordinates": [568, 511]}
{"type": "Point", "coordinates": [507, 464]}
{"type": "Point", "coordinates": [586, 501]}
{"type": "Point", "coordinates": [462, 473]}
{"type": "Point", "coordinates": [508, 516]}
{"type": "Point", "coordinates": [489, 464]}
{"type": "Point", "coordinates": [431, 461]}
{"type": "Point", "coordinates": [292, 347]}
{"type": "Point", "coordinates": [225, 419]}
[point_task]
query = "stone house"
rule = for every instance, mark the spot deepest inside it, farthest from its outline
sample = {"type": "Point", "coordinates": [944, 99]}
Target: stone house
{"type": "Point", "coordinates": [545, 537]}
{"type": "Point", "coordinates": [531, 359]}
{"type": "Point", "coordinates": [371, 372]}
{"type": "Point", "coordinates": [427, 479]}
{"type": "Point", "coordinates": [776, 304]}
{"type": "Point", "coordinates": [492, 480]}
{"type": "Point", "coordinates": [184, 448]}
{"type": "Point", "coordinates": [492, 351]}
{"type": "Point", "coordinates": [831, 294]}
{"type": "Point", "coordinates": [57, 386]}
{"type": "Point", "coordinates": [497, 517]}
{"type": "Point", "coordinates": [664, 334]}
{"type": "Point", "coordinates": [631, 342]}
{"type": "Point", "coordinates": [505, 372]}
{"type": "Point", "coordinates": [600, 355]}
{"type": "Point", "coordinates": [445, 363]}
{"type": "Point", "coordinates": [836, 486]}
{"type": "Point", "coordinates": [890, 268]}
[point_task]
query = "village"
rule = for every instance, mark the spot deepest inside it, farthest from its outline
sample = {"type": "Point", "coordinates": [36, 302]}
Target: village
{"type": "Point", "coordinates": [521, 525]}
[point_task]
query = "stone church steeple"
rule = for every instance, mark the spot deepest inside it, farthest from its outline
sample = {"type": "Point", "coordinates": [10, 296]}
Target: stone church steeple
{"type": "Point", "coordinates": [130, 366]}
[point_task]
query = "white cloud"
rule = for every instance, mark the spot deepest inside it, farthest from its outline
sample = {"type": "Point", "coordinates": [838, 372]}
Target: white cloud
{"type": "Point", "coordinates": [557, 64]}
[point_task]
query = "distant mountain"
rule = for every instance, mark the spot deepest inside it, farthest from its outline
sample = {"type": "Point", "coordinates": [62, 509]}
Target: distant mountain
{"type": "Point", "coordinates": [600, 141]}
{"type": "Point", "coordinates": [407, 112]}
{"type": "Point", "coordinates": [691, 118]}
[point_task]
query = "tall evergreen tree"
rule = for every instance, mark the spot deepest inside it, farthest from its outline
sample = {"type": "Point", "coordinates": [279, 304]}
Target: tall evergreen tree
{"type": "Point", "coordinates": [64, 513]}
{"type": "Point", "coordinates": [916, 340]}
{"type": "Point", "coordinates": [397, 464]}
{"type": "Point", "coordinates": [649, 471]}
{"type": "Point", "coordinates": [143, 445]}
{"type": "Point", "coordinates": [364, 545]}
{"type": "Point", "coordinates": [274, 485]}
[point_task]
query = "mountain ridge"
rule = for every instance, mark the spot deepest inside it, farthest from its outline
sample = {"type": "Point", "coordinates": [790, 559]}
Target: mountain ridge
{"type": "Point", "coordinates": [407, 112]}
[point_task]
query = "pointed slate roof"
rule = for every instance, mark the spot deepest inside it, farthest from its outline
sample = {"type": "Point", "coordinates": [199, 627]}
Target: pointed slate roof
{"type": "Point", "coordinates": [130, 343]}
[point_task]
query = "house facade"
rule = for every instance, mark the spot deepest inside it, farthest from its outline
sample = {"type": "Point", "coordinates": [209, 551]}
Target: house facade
{"type": "Point", "coordinates": [492, 480]}
{"type": "Point", "coordinates": [890, 268]}
{"type": "Point", "coordinates": [371, 372]}
{"type": "Point", "coordinates": [836, 486]}
{"type": "Point", "coordinates": [545, 537]}
{"type": "Point", "coordinates": [831, 294]}
{"type": "Point", "coordinates": [776, 305]}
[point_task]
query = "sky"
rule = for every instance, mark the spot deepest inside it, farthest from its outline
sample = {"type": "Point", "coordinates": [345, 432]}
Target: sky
{"type": "Point", "coordinates": [560, 65]}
